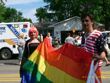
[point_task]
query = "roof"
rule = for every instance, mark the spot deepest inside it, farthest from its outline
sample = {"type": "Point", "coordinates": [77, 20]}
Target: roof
{"type": "Point", "coordinates": [43, 25]}
{"type": "Point", "coordinates": [64, 21]}
{"type": "Point", "coordinates": [13, 22]}
{"type": "Point", "coordinates": [98, 24]}
{"type": "Point", "coordinates": [75, 17]}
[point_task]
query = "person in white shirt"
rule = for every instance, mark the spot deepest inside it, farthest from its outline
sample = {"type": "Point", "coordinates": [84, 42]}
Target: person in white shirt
{"type": "Point", "coordinates": [107, 53]}
{"type": "Point", "coordinates": [69, 39]}
{"type": "Point", "coordinates": [108, 39]}
{"type": "Point", "coordinates": [48, 36]}
{"type": "Point", "coordinates": [21, 43]}
{"type": "Point", "coordinates": [41, 37]}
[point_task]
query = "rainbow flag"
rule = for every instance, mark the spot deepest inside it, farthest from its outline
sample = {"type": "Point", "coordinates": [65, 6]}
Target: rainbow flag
{"type": "Point", "coordinates": [68, 64]}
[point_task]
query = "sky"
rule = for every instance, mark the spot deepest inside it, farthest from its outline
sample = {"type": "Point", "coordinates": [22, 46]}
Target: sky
{"type": "Point", "coordinates": [27, 7]}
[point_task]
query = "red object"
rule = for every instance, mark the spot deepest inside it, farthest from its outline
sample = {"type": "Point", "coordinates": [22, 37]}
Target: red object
{"type": "Point", "coordinates": [57, 32]}
{"type": "Point", "coordinates": [25, 26]}
{"type": "Point", "coordinates": [102, 29]}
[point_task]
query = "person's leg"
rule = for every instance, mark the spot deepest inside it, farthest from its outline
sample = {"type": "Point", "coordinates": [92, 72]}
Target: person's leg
{"type": "Point", "coordinates": [19, 61]}
{"type": "Point", "coordinates": [20, 54]}
{"type": "Point", "coordinates": [107, 62]}
{"type": "Point", "coordinates": [109, 46]}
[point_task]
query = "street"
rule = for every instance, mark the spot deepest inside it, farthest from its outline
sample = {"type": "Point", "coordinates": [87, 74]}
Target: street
{"type": "Point", "coordinates": [9, 71]}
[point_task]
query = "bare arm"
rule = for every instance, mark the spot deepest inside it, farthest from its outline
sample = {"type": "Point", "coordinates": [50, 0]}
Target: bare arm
{"type": "Point", "coordinates": [99, 57]}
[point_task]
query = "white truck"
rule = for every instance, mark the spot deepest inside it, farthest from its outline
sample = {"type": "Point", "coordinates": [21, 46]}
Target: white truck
{"type": "Point", "coordinates": [9, 35]}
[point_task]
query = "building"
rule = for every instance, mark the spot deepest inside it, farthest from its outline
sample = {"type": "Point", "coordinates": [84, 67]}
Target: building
{"type": "Point", "coordinates": [43, 28]}
{"type": "Point", "coordinates": [60, 29]}
{"type": "Point", "coordinates": [68, 25]}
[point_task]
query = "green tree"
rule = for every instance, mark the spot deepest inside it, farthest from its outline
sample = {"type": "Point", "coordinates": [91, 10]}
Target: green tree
{"type": "Point", "coordinates": [41, 13]}
{"type": "Point", "coordinates": [30, 20]}
{"type": "Point", "coordinates": [25, 20]}
{"type": "Point", "coordinates": [64, 9]}
{"type": "Point", "coordinates": [12, 15]}
{"type": "Point", "coordinates": [8, 14]}
{"type": "Point", "coordinates": [2, 10]}
{"type": "Point", "coordinates": [2, 2]}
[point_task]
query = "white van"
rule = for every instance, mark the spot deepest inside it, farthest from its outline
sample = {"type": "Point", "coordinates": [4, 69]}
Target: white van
{"type": "Point", "coordinates": [9, 34]}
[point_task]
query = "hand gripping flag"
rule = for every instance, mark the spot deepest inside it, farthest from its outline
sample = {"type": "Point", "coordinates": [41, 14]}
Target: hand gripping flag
{"type": "Point", "coordinates": [68, 64]}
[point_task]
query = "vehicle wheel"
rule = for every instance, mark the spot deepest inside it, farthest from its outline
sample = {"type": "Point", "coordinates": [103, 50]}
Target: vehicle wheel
{"type": "Point", "coordinates": [5, 54]}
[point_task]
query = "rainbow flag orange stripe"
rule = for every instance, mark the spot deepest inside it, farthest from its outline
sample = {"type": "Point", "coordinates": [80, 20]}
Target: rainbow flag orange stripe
{"type": "Point", "coordinates": [66, 65]}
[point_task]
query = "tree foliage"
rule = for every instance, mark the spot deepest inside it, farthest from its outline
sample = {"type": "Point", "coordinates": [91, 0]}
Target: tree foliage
{"type": "Point", "coordinates": [63, 9]}
{"type": "Point", "coordinates": [42, 13]}
{"type": "Point", "coordinates": [8, 14]}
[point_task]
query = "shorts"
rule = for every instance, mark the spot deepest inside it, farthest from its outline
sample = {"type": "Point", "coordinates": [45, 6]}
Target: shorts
{"type": "Point", "coordinates": [20, 50]}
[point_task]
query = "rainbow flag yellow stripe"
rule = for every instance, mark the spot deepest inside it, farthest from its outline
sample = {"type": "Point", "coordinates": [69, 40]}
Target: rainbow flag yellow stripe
{"type": "Point", "coordinates": [57, 66]}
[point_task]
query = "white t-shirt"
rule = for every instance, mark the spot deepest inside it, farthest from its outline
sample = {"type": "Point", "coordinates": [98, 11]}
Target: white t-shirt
{"type": "Point", "coordinates": [70, 40]}
{"type": "Point", "coordinates": [108, 40]}
{"type": "Point", "coordinates": [50, 39]}
{"type": "Point", "coordinates": [107, 47]}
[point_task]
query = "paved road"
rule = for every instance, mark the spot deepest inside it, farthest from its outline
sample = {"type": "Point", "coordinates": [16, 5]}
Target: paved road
{"type": "Point", "coordinates": [9, 71]}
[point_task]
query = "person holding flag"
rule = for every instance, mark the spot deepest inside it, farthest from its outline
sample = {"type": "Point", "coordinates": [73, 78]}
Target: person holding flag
{"type": "Point", "coordinates": [30, 46]}
{"type": "Point", "coordinates": [69, 63]}
{"type": "Point", "coordinates": [92, 39]}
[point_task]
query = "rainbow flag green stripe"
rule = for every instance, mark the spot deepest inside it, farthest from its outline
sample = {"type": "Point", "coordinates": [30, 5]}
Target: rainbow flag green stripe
{"type": "Point", "coordinates": [49, 73]}
{"type": "Point", "coordinates": [61, 66]}
{"type": "Point", "coordinates": [31, 69]}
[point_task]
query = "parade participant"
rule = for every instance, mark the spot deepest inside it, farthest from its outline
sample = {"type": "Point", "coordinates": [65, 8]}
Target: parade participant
{"type": "Point", "coordinates": [48, 36]}
{"type": "Point", "coordinates": [108, 39]}
{"type": "Point", "coordinates": [30, 46]}
{"type": "Point", "coordinates": [74, 35]}
{"type": "Point", "coordinates": [69, 39]}
{"type": "Point", "coordinates": [21, 44]}
{"type": "Point", "coordinates": [41, 37]}
{"type": "Point", "coordinates": [92, 40]}
{"type": "Point", "coordinates": [107, 51]}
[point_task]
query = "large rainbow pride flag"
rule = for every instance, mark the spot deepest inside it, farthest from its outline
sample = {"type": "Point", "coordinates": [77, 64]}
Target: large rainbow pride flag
{"type": "Point", "coordinates": [68, 64]}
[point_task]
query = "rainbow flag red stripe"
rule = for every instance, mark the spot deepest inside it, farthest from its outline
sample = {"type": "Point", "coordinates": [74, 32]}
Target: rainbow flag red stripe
{"type": "Point", "coordinates": [68, 64]}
